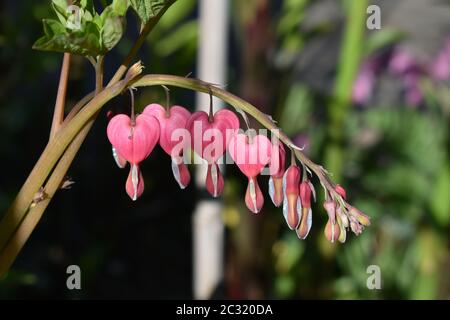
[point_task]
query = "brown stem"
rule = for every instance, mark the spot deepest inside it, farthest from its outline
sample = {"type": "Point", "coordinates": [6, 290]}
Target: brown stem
{"type": "Point", "coordinates": [58, 114]}
{"type": "Point", "coordinates": [99, 75]}
{"type": "Point", "coordinates": [18, 239]}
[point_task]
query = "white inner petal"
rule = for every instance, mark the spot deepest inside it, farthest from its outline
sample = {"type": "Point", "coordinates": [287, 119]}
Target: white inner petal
{"type": "Point", "coordinates": [135, 180]}
{"type": "Point", "coordinates": [253, 194]}
{"type": "Point", "coordinates": [214, 178]}
{"type": "Point", "coordinates": [299, 211]}
{"type": "Point", "coordinates": [271, 190]}
{"type": "Point", "coordinates": [176, 173]}
{"type": "Point", "coordinates": [116, 158]}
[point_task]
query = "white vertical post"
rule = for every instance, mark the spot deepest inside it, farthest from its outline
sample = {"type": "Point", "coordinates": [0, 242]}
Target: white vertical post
{"type": "Point", "coordinates": [208, 229]}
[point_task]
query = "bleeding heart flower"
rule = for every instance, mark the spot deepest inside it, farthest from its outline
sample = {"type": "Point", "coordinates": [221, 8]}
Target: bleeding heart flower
{"type": "Point", "coordinates": [292, 206]}
{"type": "Point", "coordinates": [306, 217]}
{"type": "Point", "coordinates": [210, 137]}
{"type": "Point", "coordinates": [332, 231]}
{"type": "Point", "coordinates": [172, 139]}
{"type": "Point", "coordinates": [277, 166]}
{"type": "Point", "coordinates": [134, 142]}
{"type": "Point", "coordinates": [251, 156]}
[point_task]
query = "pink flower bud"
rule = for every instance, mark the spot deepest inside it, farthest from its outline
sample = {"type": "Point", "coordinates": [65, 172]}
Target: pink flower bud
{"type": "Point", "coordinates": [292, 208]}
{"type": "Point", "coordinates": [359, 216]}
{"type": "Point", "coordinates": [330, 208]}
{"type": "Point", "coordinates": [341, 191]}
{"type": "Point", "coordinates": [277, 165]}
{"type": "Point", "coordinates": [343, 217]}
{"type": "Point", "coordinates": [306, 217]}
{"type": "Point", "coordinates": [332, 231]}
{"type": "Point", "coordinates": [305, 194]}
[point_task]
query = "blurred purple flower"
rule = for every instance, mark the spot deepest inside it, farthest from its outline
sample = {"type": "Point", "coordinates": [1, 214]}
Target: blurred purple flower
{"type": "Point", "coordinates": [413, 94]}
{"type": "Point", "coordinates": [401, 61]}
{"type": "Point", "coordinates": [363, 87]}
{"type": "Point", "coordinates": [440, 66]}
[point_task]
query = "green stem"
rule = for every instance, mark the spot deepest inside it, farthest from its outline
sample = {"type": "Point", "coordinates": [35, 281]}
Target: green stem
{"type": "Point", "coordinates": [347, 70]}
{"type": "Point", "coordinates": [143, 35]}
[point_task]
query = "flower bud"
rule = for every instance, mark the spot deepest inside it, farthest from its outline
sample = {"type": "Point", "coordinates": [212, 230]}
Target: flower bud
{"type": "Point", "coordinates": [330, 208]}
{"type": "Point", "coordinates": [341, 191]}
{"type": "Point", "coordinates": [306, 216]}
{"type": "Point", "coordinates": [332, 231]}
{"type": "Point", "coordinates": [277, 165]}
{"type": "Point", "coordinates": [342, 216]}
{"type": "Point", "coordinates": [292, 208]}
{"type": "Point", "coordinates": [359, 216]}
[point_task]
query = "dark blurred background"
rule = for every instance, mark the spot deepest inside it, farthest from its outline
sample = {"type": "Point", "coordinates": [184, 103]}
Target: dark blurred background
{"type": "Point", "coordinates": [392, 155]}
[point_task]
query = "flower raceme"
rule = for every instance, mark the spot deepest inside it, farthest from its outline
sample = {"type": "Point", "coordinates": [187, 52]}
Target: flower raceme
{"type": "Point", "coordinates": [210, 136]}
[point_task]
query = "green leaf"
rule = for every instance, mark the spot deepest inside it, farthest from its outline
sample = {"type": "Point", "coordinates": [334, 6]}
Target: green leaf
{"type": "Point", "coordinates": [382, 39]}
{"type": "Point", "coordinates": [120, 7]}
{"type": "Point", "coordinates": [88, 5]}
{"type": "Point", "coordinates": [57, 38]}
{"type": "Point", "coordinates": [60, 8]}
{"type": "Point", "coordinates": [112, 29]}
{"type": "Point", "coordinates": [440, 201]}
{"type": "Point", "coordinates": [148, 9]}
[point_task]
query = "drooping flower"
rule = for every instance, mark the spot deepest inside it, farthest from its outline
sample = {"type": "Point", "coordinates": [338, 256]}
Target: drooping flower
{"type": "Point", "coordinates": [210, 136]}
{"type": "Point", "coordinates": [172, 139]}
{"type": "Point", "coordinates": [277, 166]}
{"type": "Point", "coordinates": [134, 141]}
{"type": "Point", "coordinates": [251, 155]}
{"type": "Point", "coordinates": [306, 192]}
{"type": "Point", "coordinates": [292, 205]}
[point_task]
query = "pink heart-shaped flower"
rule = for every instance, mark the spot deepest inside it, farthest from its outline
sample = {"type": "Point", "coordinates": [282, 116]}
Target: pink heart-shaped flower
{"type": "Point", "coordinates": [173, 137]}
{"type": "Point", "coordinates": [133, 143]}
{"type": "Point", "coordinates": [172, 124]}
{"type": "Point", "coordinates": [250, 154]}
{"type": "Point", "coordinates": [210, 138]}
